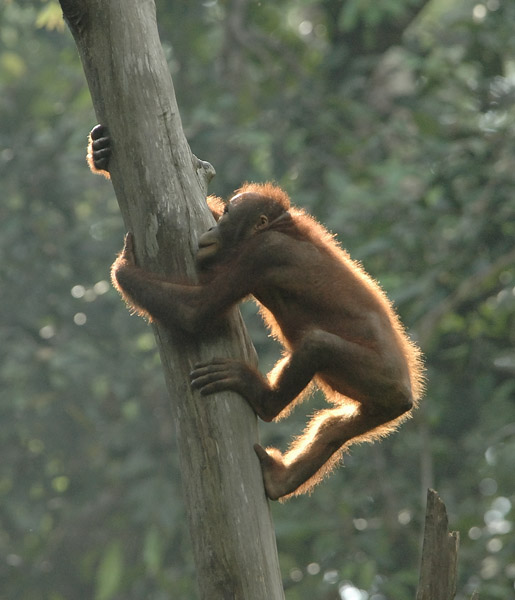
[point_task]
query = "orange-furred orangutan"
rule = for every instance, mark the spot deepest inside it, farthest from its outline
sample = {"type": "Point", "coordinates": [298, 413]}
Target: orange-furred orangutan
{"type": "Point", "coordinates": [336, 325]}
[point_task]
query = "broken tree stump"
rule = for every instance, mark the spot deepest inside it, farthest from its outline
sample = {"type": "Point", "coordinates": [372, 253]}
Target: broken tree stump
{"type": "Point", "coordinates": [439, 565]}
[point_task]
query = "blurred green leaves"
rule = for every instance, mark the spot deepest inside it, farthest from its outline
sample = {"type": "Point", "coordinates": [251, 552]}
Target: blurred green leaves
{"type": "Point", "coordinates": [392, 122]}
{"type": "Point", "coordinates": [110, 572]}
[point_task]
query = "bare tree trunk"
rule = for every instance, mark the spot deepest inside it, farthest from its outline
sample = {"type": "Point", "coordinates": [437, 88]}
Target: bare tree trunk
{"type": "Point", "coordinates": [439, 568]}
{"type": "Point", "coordinates": [161, 190]}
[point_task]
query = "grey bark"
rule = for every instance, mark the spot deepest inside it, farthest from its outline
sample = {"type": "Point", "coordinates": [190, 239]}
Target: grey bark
{"type": "Point", "coordinates": [439, 567]}
{"type": "Point", "coordinates": [161, 188]}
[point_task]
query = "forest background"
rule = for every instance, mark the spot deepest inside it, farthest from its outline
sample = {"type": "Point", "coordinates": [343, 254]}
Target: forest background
{"type": "Point", "coordinates": [392, 122]}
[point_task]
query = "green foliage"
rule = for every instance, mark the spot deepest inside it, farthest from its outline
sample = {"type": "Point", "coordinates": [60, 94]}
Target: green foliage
{"type": "Point", "coordinates": [392, 121]}
{"type": "Point", "coordinates": [110, 572]}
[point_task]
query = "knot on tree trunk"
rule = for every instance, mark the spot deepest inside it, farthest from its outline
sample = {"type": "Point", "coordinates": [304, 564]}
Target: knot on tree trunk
{"type": "Point", "coordinates": [75, 15]}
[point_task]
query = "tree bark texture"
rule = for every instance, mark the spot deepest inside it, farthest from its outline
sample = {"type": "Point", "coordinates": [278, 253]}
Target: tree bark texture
{"type": "Point", "coordinates": [161, 187]}
{"type": "Point", "coordinates": [439, 567]}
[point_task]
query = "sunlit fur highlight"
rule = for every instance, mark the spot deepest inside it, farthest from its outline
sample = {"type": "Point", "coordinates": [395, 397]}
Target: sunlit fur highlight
{"type": "Point", "coordinates": [267, 190]}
